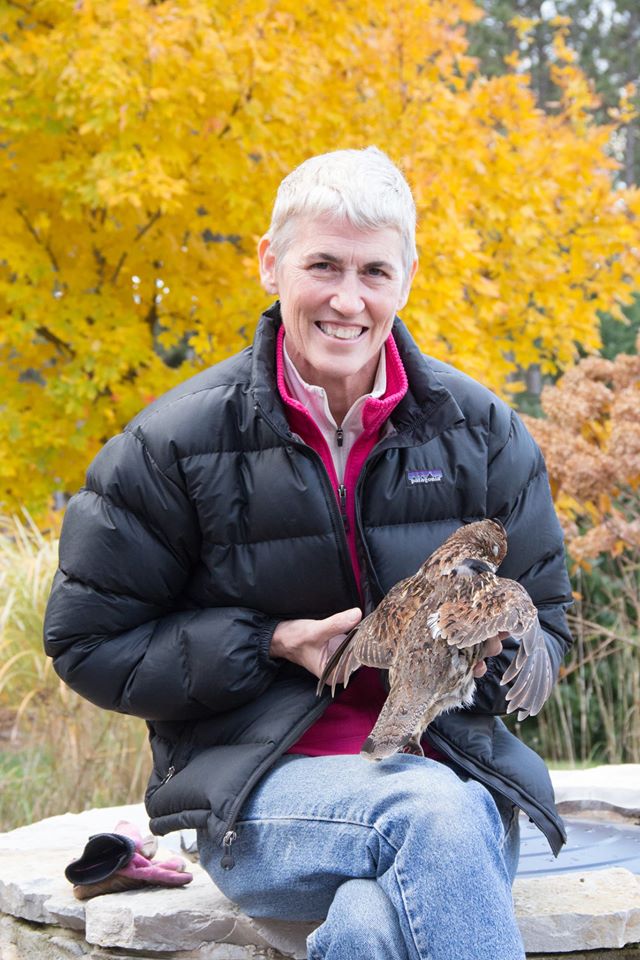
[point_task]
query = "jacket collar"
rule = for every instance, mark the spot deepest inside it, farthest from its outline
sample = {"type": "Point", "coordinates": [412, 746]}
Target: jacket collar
{"type": "Point", "coordinates": [426, 410]}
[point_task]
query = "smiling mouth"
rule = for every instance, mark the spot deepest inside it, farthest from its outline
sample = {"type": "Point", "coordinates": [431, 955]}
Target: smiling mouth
{"type": "Point", "coordinates": [341, 332]}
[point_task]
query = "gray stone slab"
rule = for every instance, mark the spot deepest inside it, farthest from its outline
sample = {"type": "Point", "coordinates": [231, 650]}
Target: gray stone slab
{"type": "Point", "coordinates": [580, 911]}
{"type": "Point", "coordinates": [22, 941]}
{"type": "Point", "coordinates": [33, 887]}
{"type": "Point", "coordinates": [615, 785]}
{"type": "Point", "coordinates": [188, 918]}
{"type": "Point", "coordinates": [572, 912]}
{"type": "Point", "coordinates": [67, 831]}
{"type": "Point", "coordinates": [160, 919]}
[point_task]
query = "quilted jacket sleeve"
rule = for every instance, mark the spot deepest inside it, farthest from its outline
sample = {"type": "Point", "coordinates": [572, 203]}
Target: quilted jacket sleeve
{"type": "Point", "coordinates": [115, 626]}
{"type": "Point", "coordinates": [518, 493]}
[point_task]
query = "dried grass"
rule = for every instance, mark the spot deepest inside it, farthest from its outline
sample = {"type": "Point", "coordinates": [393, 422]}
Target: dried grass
{"type": "Point", "coordinates": [593, 715]}
{"type": "Point", "coordinates": [57, 751]}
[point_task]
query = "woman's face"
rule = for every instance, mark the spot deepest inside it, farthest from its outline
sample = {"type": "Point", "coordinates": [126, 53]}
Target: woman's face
{"type": "Point", "coordinates": [339, 288]}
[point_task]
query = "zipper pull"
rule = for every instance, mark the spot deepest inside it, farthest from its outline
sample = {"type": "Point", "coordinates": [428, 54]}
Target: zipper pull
{"type": "Point", "coordinates": [339, 436]}
{"type": "Point", "coordinates": [342, 493]}
{"type": "Point", "coordinates": [227, 861]}
{"type": "Point", "coordinates": [170, 772]}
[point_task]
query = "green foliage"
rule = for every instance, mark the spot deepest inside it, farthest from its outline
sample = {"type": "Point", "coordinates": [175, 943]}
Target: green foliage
{"type": "Point", "coordinates": [606, 38]}
{"type": "Point", "coordinates": [620, 336]}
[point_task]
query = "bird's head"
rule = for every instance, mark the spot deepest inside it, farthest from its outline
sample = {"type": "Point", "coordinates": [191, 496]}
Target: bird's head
{"type": "Point", "coordinates": [484, 540]}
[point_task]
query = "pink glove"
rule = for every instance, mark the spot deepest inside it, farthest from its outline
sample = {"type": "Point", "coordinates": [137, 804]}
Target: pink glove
{"type": "Point", "coordinates": [165, 873]}
{"type": "Point", "coordinates": [123, 861]}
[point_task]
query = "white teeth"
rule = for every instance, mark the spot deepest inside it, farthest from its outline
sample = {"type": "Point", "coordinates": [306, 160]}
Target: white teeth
{"type": "Point", "coordinates": [341, 333]}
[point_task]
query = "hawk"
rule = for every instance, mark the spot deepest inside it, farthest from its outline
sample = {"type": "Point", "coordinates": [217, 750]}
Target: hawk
{"type": "Point", "coordinates": [431, 629]}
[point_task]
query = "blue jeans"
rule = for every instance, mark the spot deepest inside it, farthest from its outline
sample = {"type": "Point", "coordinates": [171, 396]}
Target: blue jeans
{"type": "Point", "coordinates": [402, 859]}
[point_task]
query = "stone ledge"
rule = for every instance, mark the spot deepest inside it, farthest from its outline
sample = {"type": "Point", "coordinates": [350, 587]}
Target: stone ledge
{"type": "Point", "coordinates": [615, 787]}
{"type": "Point", "coordinates": [586, 911]}
{"type": "Point", "coordinates": [21, 940]}
{"type": "Point", "coordinates": [560, 914]}
{"type": "Point", "coordinates": [630, 952]}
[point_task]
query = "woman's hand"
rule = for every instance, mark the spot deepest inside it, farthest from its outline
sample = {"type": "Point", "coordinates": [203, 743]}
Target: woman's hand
{"type": "Point", "coordinates": [310, 643]}
{"type": "Point", "coordinates": [492, 648]}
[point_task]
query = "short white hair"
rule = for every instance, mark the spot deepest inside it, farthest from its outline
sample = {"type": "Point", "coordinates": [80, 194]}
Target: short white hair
{"type": "Point", "coordinates": [362, 186]}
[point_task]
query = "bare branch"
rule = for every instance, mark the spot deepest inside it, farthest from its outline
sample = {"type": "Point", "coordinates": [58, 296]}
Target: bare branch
{"type": "Point", "coordinates": [141, 232]}
{"type": "Point", "coordinates": [29, 11]}
{"type": "Point", "coordinates": [51, 337]}
{"type": "Point", "coordinates": [116, 272]}
{"type": "Point", "coordinates": [34, 233]}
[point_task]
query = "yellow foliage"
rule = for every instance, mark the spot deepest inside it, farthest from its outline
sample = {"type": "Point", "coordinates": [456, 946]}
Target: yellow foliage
{"type": "Point", "coordinates": [141, 149]}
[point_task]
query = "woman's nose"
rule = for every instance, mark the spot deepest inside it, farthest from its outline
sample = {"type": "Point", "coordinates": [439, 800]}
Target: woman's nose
{"type": "Point", "coordinates": [346, 298]}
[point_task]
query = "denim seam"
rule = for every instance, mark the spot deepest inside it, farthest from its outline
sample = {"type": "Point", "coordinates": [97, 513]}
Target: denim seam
{"type": "Point", "coordinates": [406, 908]}
{"type": "Point", "coordinates": [352, 823]}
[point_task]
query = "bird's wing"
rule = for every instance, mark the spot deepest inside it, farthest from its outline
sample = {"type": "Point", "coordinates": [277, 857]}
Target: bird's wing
{"type": "Point", "coordinates": [475, 609]}
{"type": "Point", "coordinates": [374, 642]}
{"type": "Point", "coordinates": [532, 667]}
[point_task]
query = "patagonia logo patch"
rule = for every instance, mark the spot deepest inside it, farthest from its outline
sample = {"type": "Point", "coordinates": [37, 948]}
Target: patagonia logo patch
{"type": "Point", "coordinates": [423, 476]}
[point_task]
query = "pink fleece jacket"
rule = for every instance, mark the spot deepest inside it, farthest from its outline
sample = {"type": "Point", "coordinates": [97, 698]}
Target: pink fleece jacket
{"type": "Point", "coordinates": [347, 722]}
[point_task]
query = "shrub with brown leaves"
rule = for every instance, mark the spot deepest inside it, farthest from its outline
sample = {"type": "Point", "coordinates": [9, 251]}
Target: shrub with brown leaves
{"type": "Point", "coordinates": [590, 438]}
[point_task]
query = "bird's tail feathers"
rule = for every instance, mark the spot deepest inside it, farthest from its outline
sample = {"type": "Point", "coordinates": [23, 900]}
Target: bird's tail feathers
{"type": "Point", "coordinates": [334, 664]}
{"type": "Point", "coordinates": [394, 729]}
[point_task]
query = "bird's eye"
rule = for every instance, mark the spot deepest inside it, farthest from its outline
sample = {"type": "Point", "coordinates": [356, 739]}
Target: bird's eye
{"type": "Point", "coordinates": [496, 550]}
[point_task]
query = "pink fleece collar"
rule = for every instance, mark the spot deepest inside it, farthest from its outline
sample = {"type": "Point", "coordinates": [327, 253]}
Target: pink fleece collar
{"type": "Point", "coordinates": [376, 409]}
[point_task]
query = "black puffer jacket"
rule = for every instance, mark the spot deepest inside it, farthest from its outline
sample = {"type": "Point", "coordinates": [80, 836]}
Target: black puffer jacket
{"type": "Point", "coordinates": [206, 522]}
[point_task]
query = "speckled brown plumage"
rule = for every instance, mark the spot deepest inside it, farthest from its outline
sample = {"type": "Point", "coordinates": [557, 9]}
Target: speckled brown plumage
{"type": "Point", "coordinates": [431, 629]}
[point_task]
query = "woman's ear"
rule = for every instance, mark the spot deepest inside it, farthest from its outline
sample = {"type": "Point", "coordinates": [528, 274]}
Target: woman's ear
{"type": "Point", "coordinates": [267, 260]}
{"type": "Point", "coordinates": [407, 285]}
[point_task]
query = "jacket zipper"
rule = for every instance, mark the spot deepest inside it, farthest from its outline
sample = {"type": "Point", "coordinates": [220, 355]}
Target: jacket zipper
{"type": "Point", "coordinates": [172, 769]}
{"type": "Point", "coordinates": [228, 840]}
{"type": "Point", "coordinates": [230, 836]}
{"type": "Point", "coordinates": [339, 512]}
{"type": "Point", "coordinates": [342, 493]}
{"type": "Point", "coordinates": [371, 459]}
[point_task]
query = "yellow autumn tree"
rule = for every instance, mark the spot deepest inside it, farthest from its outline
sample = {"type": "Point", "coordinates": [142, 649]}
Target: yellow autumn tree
{"type": "Point", "coordinates": [142, 143]}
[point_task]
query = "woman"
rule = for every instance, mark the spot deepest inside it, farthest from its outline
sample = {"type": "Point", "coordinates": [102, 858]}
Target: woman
{"type": "Point", "coordinates": [246, 520]}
